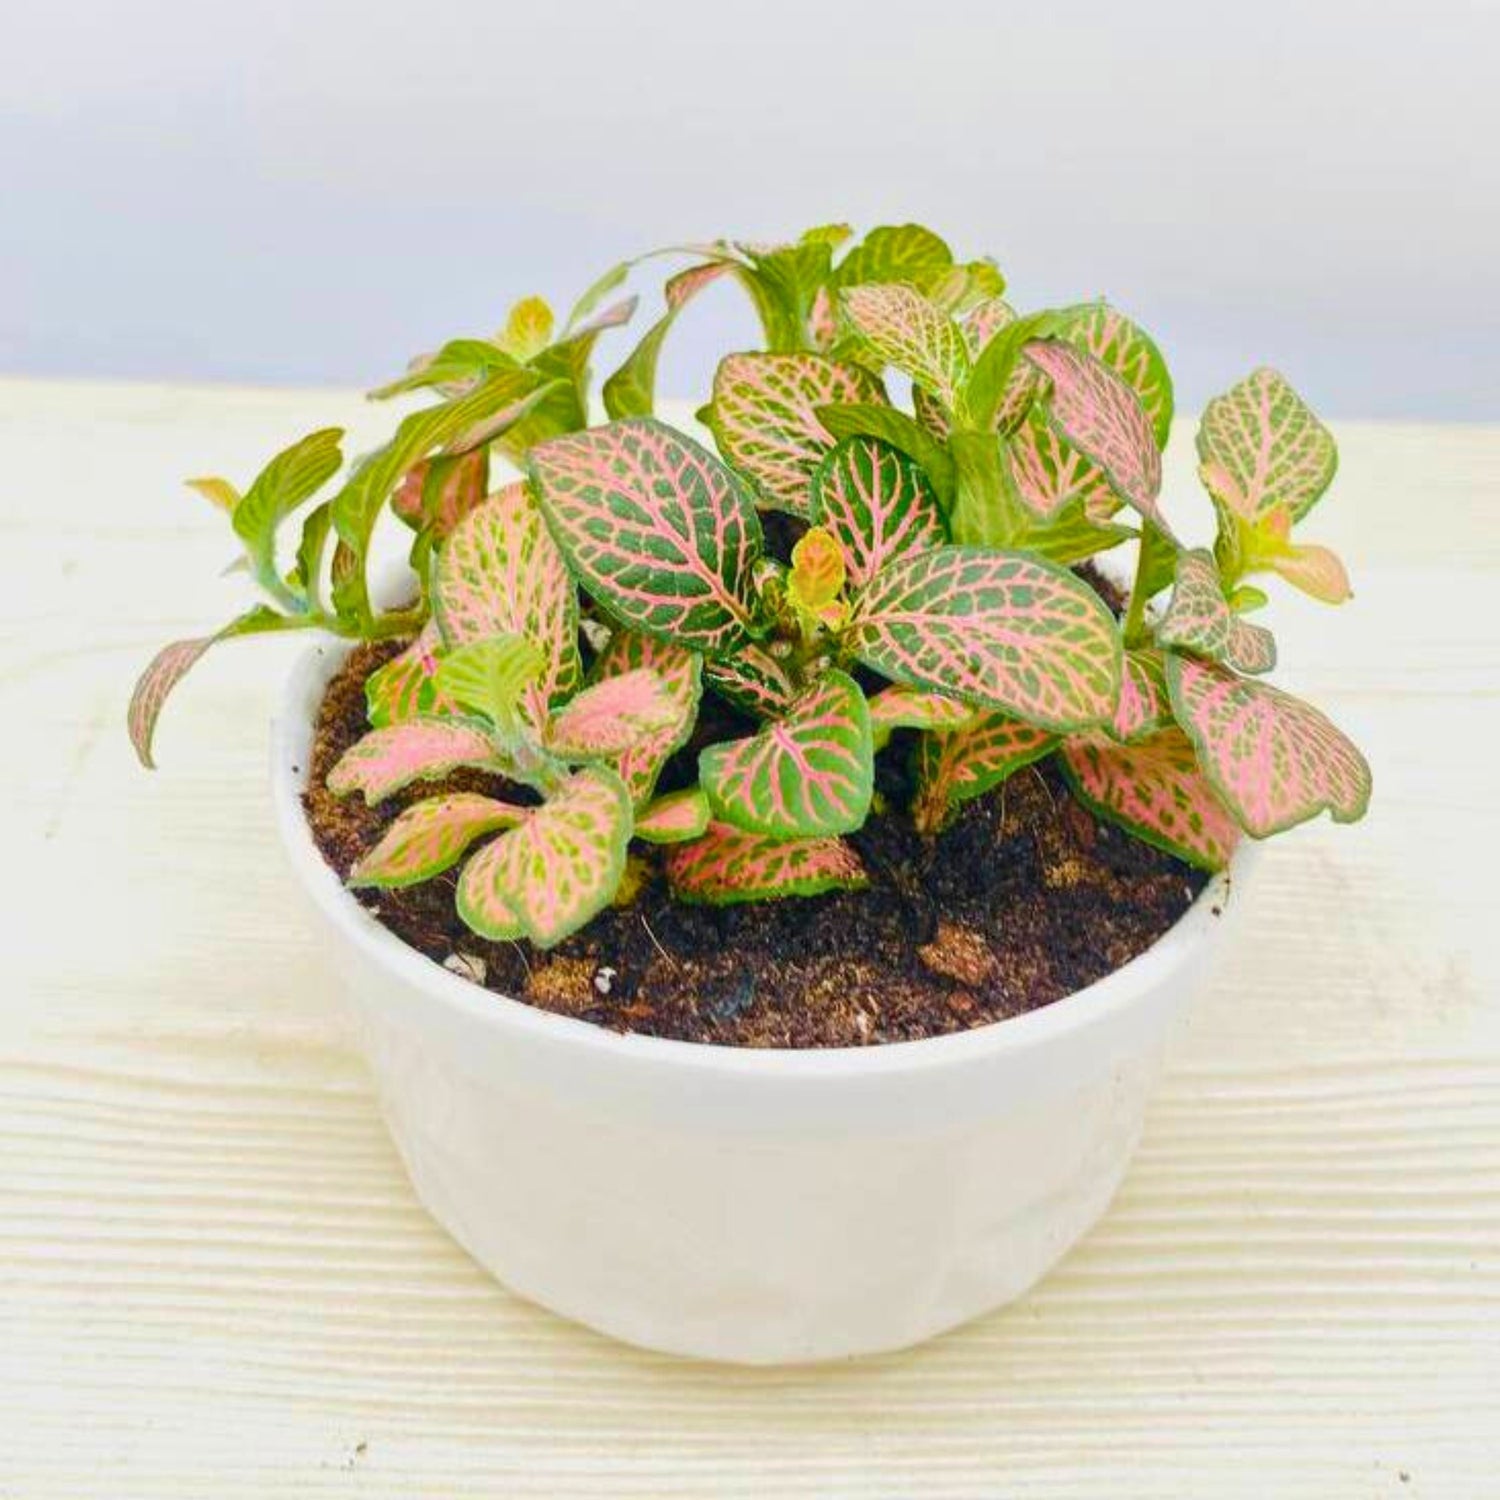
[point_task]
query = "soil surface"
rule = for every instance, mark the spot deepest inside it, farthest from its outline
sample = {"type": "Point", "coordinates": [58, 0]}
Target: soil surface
{"type": "Point", "coordinates": [1025, 898]}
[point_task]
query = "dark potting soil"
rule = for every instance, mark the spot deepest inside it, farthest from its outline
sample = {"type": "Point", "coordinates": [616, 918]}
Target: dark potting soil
{"type": "Point", "coordinates": [1025, 898]}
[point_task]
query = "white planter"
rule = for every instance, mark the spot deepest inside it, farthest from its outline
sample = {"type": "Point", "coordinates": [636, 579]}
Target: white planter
{"type": "Point", "coordinates": [734, 1204]}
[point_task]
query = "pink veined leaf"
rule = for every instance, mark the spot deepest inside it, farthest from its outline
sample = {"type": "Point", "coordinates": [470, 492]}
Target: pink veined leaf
{"type": "Point", "coordinates": [686, 285]}
{"type": "Point", "coordinates": [877, 504]}
{"type": "Point", "coordinates": [165, 670]}
{"type": "Point", "coordinates": [1128, 350]}
{"type": "Point", "coordinates": [956, 765]}
{"type": "Point", "coordinates": [614, 715]}
{"type": "Point", "coordinates": [656, 528]}
{"type": "Point", "coordinates": [545, 878]}
{"type": "Point", "coordinates": [822, 321]}
{"type": "Point", "coordinates": [1199, 619]}
{"type": "Point", "coordinates": [675, 818]}
{"type": "Point", "coordinates": [681, 674]}
{"type": "Point", "coordinates": [753, 680]}
{"type": "Point", "coordinates": [430, 836]}
{"type": "Point", "coordinates": [1264, 447]}
{"type": "Point", "coordinates": [902, 707]}
{"type": "Point", "coordinates": [728, 865]}
{"type": "Point", "coordinates": [980, 324]}
{"type": "Point", "coordinates": [766, 424]}
{"type": "Point", "coordinates": [911, 333]}
{"type": "Point", "coordinates": [500, 573]}
{"type": "Point", "coordinates": [1275, 760]}
{"type": "Point", "coordinates": [1144, 706]}
{"type": "Point", "coordinates": [1102, 417]}
{"type": "Point", "coordinates": [1050, 474]}
{"type": "Point", "coordinates": [407, 684]}
{"type": "Point", "coordinates": [931, 413]}
{"type": "Point", "coordinates": [997, 629]}
{"type": "Point", "coordinates": [386, 760]}
{"type": "Point", "coordinates": [439, 492]}
{"type": "Point", "coordinates": [1153, 789]}
{"type": "Point", "coordinates": [810, 773]}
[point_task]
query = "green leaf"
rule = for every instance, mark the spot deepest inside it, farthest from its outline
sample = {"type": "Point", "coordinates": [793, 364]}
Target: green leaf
{"type": "Point", "coordinates": [986, 510]}
{"type": "Point", "coordinates": [897, 253]}
{"type": "Point", "coordinates": [911, 333]}
{"type": "Point", "coordinates": [863, 419]}
{"type": "Point", "coordinates": [1128, 350]}
{"type": "Point", "coordinates": [501, 573]}
{"type": "Point", "coordinates": [767, 419]}
{"type": "Point", "coordinates": [728, 865]}
{"type": "Point", "coordinates": [997, 386]}
{"type": "Point", "coordinates": [656, 528]}
{"type": "Point", "coordinates": [546, 878]}
{"type": "Point", "coordinates": [807, 774]}
{"type": "Point", "coordinates": [631, 390]}
{"type": "Point", "coordinates": [528, 329]}
{"type": "Point", "coordinates": [406, 685]}
{"type": "Point", "coordinates": [458, 362]}
{"type": "Point", "coordinates": [173, 662]}
{"type": "Point", "coordinates": [1262, 447]}
{"type": "Point", "coordinates": [293, 476]}
{"type": "Point", "coordinates": [956, 765]}
{"type": "Point", "coordinates": [489, 676]}
{"type": "Point", "coordinates": [996, 629]}
{"type": "Point", "coordinates": [356, 506]}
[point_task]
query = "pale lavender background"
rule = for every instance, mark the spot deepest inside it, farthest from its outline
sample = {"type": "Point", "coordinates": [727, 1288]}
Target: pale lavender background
{"type": "Point", "coordinates": [310, 192]}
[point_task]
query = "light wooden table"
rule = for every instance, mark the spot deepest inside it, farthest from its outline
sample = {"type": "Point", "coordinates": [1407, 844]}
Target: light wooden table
{"type": "Point", "coordinates": [214, 1280]}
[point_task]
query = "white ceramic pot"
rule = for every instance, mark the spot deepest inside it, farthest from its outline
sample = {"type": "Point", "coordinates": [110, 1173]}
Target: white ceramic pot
{"type": "Point", "coordinates": [758, 1206]}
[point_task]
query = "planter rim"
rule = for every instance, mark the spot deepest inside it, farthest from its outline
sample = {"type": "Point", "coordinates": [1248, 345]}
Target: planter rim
{"type": "Point", "coordinates": [1080, 1011]}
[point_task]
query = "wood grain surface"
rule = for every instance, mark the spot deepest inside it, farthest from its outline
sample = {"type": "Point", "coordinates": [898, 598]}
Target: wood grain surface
{"type": "Point", "coordinates": [214, 1280]}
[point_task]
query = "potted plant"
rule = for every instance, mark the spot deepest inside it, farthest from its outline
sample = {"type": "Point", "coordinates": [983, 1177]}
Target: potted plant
{"type": "Point", "coordinates": [693, 835]}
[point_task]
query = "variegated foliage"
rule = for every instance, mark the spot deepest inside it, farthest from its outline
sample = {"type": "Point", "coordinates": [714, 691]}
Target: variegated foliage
{"type": "Point", "coordinates": [1199, 619]}
{"type": "Point", "coordinates": [955, 765]}
{"type": "Point", "coordinates": [728, 865]}
{"type": "Point", "coordinates": [765, 419]}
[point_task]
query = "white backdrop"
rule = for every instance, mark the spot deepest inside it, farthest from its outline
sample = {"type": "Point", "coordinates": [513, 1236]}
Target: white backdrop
{"type": "Point", "coordinates": [310, 192]}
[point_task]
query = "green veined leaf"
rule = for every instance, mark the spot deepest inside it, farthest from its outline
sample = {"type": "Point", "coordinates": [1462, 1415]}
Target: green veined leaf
{"type": "Point", "coordinates": [656, 528]}
{"type": "Point", "coordinates": [1275, 760]}
{"type": "Point", "coordinates": [407, 684]}
{"type": "Point", "coordinates": [832, 235]}
{"type": "Point", "coordinates": [1128, 350]}
{"type": "Point", "coordinates": [783, 282]}
{"type": "Point", "coordinates": [862, 419]}
{"type": "Point", "coordinates": [431, 836]}
{"type": "Point", "coordinates": [597, 292]}
{"type": "Point", "coordinates": [766, 418]}
{"type": "Point", "coordinates": [1266, 447]}
{"type": "Point", "coordinates": [614, 715]}
{"type": "Point", "coordinates": [1001, 385]}
{"type": "Point", "coordinates": [490, 675]}
{"type": "Point", "coordinates": [1102, 417]}
{"type": "Point", "coordinates": [956, 765]}
{"type": "Point", "coordinates": [386, 760]}
{"type": "Point", "coordinates": [1199, 619]}
{"type": "Point", "coordinates": [528, 329]}
{"type": "Point", "coordinates": [459, 364]}
{"type": "Point", "coordinates": [681, 673]}
{"type": "Point", "coordinates": [1071, 536]}
{"type": "Point", "coordinates": [909, 332]}
{"type": "Point", "coordinates": [631, 390]}
{"type": "Point", "coordinates": [545, 878]}
{"type": "Point", "coordinates": [356, 506]}
{"type": "Point", "coordinates": [810, 773]}
{"type": "Point", "coordinates": [500, 573]}
{"type": "Point", "coordinates": [996, 629]}
{"type": "Point", "coordinates": [753, 680]}
{"type": "Point", "coordinates": [675, 818]}
{"type": "Point", "coordinates": [728, 865]}
{"type": "Point", "coordinates": [1144, 706]}
{"type": "Point", "coordinates": [906, 253]}
{"type": "Point", "coordinates": [173, 662]}
{"type": "Point", "coordinates": [293, 476]}
{"type": "Point", "coordinates": [877, 504]}
{"type": "Point", "coordinates": [1153, 789]}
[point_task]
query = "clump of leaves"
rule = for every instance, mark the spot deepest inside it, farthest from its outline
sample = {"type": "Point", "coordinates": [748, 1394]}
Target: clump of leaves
{"type": "Point", "coordinates": [566, 624]}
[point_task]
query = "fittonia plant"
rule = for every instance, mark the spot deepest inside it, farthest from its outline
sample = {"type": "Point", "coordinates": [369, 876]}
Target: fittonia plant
{"type": "Point", "coordinates": [564, 627]}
